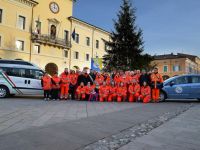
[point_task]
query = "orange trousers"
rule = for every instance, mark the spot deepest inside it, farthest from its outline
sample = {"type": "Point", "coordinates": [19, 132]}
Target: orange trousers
{"type": "Point", "coordinates": [155, 94]}
{"type": "Point", "coordinates": [111, 97]}
{"type": "Point", "coordinates": [145, 99]}
{"type": "Point", "coordinates": [133, 97]}
{"type": "Point", "coordinates": [119, 98]}
{"type": "Point", "coordinates": [64, 90]}
{"type": "Point", "coordinates": [103, 98]}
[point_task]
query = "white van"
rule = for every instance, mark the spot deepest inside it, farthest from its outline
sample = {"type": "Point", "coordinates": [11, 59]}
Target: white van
{"type": "Point", "coordinates": [19, 78]}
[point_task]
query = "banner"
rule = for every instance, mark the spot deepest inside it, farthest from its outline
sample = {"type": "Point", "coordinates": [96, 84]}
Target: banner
{"type": "Point", "coordinates": [96, 64]}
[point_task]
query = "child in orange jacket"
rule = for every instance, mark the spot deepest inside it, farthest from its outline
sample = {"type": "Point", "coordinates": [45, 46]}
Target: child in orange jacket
{"type": "Point", "coordinates": [112, 92]}
{"type": "Point", "coordinates": [145, 95]}
{"type": "Point", "coordinates": [121, 92]}
{"type": "Point", "coordinates": [81, 91]}
{"type": "Point", "coordinates": [103, 92]}
{"type": "Point", "coordinates": [134, 91]}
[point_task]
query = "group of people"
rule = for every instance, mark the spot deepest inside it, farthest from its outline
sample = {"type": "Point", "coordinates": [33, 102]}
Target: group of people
{"type": "Point", "coordinates": [120, 86]}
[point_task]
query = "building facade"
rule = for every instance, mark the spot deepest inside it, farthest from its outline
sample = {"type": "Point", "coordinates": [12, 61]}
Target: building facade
{"type": "Point", "coordinates": [40, 32]}
{"type": "Point", "coordinates": [170, 65]}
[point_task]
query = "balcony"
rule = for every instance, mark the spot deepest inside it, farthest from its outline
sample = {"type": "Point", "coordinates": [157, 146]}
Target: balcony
{"type": "Point", "coordinates": [51, 41]}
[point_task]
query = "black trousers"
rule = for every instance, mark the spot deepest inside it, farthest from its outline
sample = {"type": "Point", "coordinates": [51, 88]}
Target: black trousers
{"type": "Point", "coordinates": [72, 91]}
{"type": "Point", "coordinates": [55, 93]}
{"type": "Point", "coordinates": [46, 93]}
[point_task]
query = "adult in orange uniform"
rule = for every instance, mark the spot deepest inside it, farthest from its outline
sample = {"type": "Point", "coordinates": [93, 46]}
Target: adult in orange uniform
{"type": "Point", "coordinates": [145, 95]}
{"type": "Point", "coordinates": [81, 91]}
{"type": "Point", "coordinates": [103, 92]}
{"type": "Point", "coordinates": [156, 81]}
{"type": "Point", "coordinates": [117, 79]}
{"type": "Point", "coordinates": [55, 86]}
{"type": "Point", "coordinates": [73, 84]}
{"type": "Point", "coordinates": [112, 92]}
{"type": "Point", "coordinates": [121, 92]}
{"type": "Point", "coordinates": [134, 91]}
{"type": "Point", "coordinates": [46, 85]}
{"type": "Point", "coordinates": [65, 81]}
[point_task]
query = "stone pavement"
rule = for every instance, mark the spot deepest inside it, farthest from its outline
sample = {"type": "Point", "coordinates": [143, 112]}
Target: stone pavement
{"type": "Point", "coordinates": [29, 124]}
{"type": "Point", "coordinates": [181, 133]}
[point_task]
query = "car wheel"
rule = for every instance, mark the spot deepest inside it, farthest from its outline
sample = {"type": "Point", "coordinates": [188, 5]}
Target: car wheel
{"type": "Point", "coordinates": [4, 92]}
{"type": "Point", "coordinates": [198, 99]}
{"type": "Point", "coordinates": [163, 96]}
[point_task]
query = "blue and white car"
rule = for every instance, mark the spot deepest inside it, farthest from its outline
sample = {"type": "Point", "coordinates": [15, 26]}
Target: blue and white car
{"type": "Point", "coordinates": [181, 87]}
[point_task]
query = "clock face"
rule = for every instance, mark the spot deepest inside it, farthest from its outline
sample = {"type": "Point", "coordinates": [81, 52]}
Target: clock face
{"type": "Point", "coordinates": [54, 7]}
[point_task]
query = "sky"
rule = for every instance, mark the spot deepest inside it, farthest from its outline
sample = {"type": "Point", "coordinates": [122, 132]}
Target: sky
{"type": "Point", "coordinates": [168, 25]}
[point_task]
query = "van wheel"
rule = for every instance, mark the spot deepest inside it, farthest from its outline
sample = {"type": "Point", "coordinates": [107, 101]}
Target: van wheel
{"type": "Point", "coordinates": [163, 96]}
{"type": "Point", "coordinates": [4, 91]}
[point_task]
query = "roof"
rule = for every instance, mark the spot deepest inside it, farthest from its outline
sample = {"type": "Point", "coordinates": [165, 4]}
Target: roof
{"type": "Point", "coordinates": [173, 56]}
{"type": "Point", "coordinates": [88, 24]}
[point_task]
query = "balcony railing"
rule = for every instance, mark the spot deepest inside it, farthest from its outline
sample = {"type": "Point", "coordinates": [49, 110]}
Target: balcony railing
{"type": "Point", "coordinates": [51, 41]}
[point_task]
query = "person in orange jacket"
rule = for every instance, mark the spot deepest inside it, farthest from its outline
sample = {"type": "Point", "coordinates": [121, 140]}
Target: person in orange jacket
{"type": "Point", "coordinates": [88, 90]}
{"type": "Point", "coordinates": [107, 78]}
{"type": "Point", "coordinates": [99, 79]}
{"type": "Point", "coordinates": [112, 92]}
{"type": "Point", "coordinates": [134, 91]}
{"type": "Point", "coordinates": [103, 92]}
{"type": "Point", "coordinates": [81, 91]}
{"type": "Point", "coordinates": [55, 86]}
{"type": "Point", "coordinates": [73, 84]}
{"type": "Point", "coordinates": [121, 92]}
{"type": "Point", "coordinates": [156, 81]}
{"type": "Point", "coordinates": [145, 95]}
{"type": "Point", "coordinates": [46, 85]}
{"type": "Point", "coordinates": [117, 79]}
{"type": "Point", "coordinates": [65, 81]}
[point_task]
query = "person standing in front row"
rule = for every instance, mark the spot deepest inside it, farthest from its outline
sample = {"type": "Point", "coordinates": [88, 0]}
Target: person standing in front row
{"type": "Point", "coordinates": [156, 82]}
{"type": "Point", "coordinates": [55, 86]}
{"type": "Point", "coordinates": [46, 85]}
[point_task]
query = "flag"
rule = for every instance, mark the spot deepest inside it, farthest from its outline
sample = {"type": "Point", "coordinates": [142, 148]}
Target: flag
{"type": "Point", "coordinates": [74, 34]}
{"type": "Point", "coordinates": [96, 64]}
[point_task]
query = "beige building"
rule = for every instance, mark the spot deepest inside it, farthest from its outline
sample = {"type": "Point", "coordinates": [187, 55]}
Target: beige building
{"type": "Point", "coordinates": [170, 65]}
{"type": "Point", "coordinates": [40, 31]}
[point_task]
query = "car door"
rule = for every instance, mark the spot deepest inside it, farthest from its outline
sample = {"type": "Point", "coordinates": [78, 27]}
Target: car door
{"type": "Point", "coordinates": [178, 88]}
{"type": "Point", "coordinates": [34, 81]}
{"type": "Point", "coordinates": [195, 87]}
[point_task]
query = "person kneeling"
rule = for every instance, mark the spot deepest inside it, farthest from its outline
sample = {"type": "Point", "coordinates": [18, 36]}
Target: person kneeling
{"type": "Point", "coordinates": [121, 92]}
{"type": "Point", "coordinates": [81, 92]}
{"type": "Point", "coordinates": [103, 92]}
{"type": "Point", "coordinates": [145, 93]}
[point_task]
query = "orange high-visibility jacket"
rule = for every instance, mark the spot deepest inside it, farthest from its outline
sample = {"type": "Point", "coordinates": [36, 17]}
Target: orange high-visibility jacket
{"type": "Point", "coordinates": [104, 90]}
{"type": "Point", "coordinates": [99, 79]}
{"type": "Point", "coordinates": [46, 83]}
{"type": "Point", "coordinates": [89, 89]}
{"type": "Point", "coordinates": [112, 90]}
{"type": "Point", "coordinates": [134, 88]}
{"type": "Point", "coordinates": [73, 79]}
{"type": "Point", "coordinates": [117, 79]}
{"type": "Point", "coordinates": [121, 91]}
{"type": "Point", "coordinates": [65, 79]}
{"type": "Point", "coordinates": [55, 82]}
{"type": "Point", "coordinates": [108, 80]}
{"type": "Point", "coordinates": [81, 89]}
{"type": "Point", "coordinates": [156, 78]}
{"type": "Point", "coordinates": [146, 90]}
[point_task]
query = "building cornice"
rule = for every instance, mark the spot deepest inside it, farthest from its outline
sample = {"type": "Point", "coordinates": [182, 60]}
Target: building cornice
{"type": "Point", "coordinates": [88, 24]}
{"type": "Point", "coordinates": [30, 3]}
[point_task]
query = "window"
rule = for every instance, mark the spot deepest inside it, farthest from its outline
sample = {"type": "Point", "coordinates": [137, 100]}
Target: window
{"type": "Point", "coordinates": [76, 55]}
{"type": "Point", "coordinates": [20, 45]}
{"type": "Point", "coordinates": [65, 53]}
{"type": "Point", "coordinates": [77, 38]}
{"type": "Point", "coordinates": [1, 15]}
{"type": "Point", "coordinates": [181, 80]}
{"type": "Point", "coordinates": [37, 49]}
{"type": "Point", "coordinates": [176, 68]}
{"type": "Point", "coordinates": [87, 57]}
{"type": "Point", "coordinates": [105, 46]}
{"type": "Point", "coordinates": [66, 35]}
{"type": "Point", "coordinates": [97, 44]}
{"type": "Point", "coordinates": [38, 27]}
{"type": "Point", "coordinates": [165, 68]}
{"type": "Point", "coordinates": [195, 79]}
{"type": "Point", "coordinates": [87, 41]}
{"type": "Point", "coordinates": [21, 22]}
{"type": "Point", "coordinates": [53, 31]}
